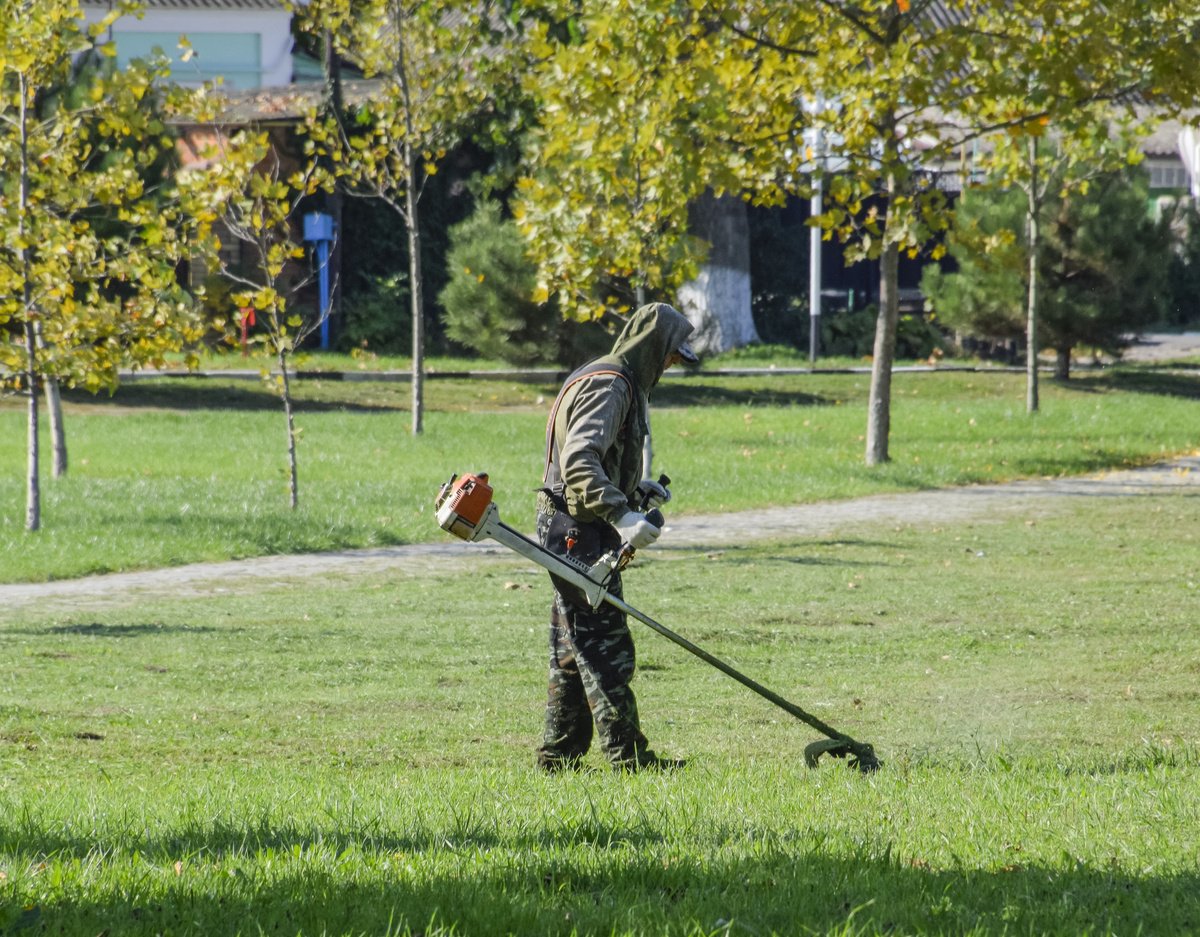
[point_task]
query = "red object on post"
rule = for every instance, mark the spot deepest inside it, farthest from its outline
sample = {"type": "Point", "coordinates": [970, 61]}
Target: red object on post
{"type": "Point", "coordinates": [247, 321]}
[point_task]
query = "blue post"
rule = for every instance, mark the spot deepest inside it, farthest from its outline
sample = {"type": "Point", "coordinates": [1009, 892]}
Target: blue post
{"type": "Point", "coordinates": [323, 289]}
{"type": "Point", "coordinates": [318, 229]}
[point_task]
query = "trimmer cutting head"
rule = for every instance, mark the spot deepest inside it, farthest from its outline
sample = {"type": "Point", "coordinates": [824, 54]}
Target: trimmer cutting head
{"type": "Point", "coordinates": [859, 755]}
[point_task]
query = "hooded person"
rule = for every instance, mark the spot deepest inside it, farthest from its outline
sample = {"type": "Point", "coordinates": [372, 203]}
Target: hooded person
{"type": "Point", "coordinates": [587, 506]}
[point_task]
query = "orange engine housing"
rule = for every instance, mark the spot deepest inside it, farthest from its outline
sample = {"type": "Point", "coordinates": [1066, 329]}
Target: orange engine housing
{"type": "Point", "coordinates": [463, 504]}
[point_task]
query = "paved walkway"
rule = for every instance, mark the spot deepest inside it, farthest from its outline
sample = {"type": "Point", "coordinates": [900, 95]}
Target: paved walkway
{"type": "Point", "coordinates": [713, 531]}
{"type": "Point", "coordinates": [1165, 346]}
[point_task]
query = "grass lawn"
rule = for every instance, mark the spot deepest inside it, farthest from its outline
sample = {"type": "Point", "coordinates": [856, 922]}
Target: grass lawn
{"type": "Point", "coordinates": [177, 471]}
{"type": "Point", "coordinates": [354, 755]}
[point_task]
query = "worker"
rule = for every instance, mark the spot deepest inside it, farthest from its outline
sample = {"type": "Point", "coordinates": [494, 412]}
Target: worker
{"type": "Point", "coordinates": [591, 503]}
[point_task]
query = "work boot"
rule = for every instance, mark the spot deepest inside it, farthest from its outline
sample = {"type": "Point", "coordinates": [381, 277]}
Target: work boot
{"type": "Point", "coordinates": [646, 760]}
{"type": "Point", "coordinates": [553, 764]}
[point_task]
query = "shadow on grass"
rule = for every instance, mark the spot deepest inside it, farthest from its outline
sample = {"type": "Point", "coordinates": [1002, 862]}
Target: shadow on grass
{"type": "Point", "coordinates": [606, 880]}
{"type": "Point", "coordinates": [196, 393]}
{"type": "Point", "coordinates": [99, 630]}
{"type": "Point", "coordinates": [686, 394]}
{"type": "Point", "coordinates": [209, 394]}
{"type": "Point", "coordinates": [1139, 381]}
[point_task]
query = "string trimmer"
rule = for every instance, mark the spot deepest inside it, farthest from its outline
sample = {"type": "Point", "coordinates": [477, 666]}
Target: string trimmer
{"type": "Point", "coordinates": [466, 510]}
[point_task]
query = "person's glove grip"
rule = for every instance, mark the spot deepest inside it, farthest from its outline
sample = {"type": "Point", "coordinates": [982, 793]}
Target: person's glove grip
{"type": "Point", "coordinates": [652, 494]}
{"type": "Point", "coordinates": [635, 530]}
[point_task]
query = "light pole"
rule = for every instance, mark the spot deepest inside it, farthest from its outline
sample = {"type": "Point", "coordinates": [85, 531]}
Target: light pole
{"type": "Point", "coordinates": [816, 208]}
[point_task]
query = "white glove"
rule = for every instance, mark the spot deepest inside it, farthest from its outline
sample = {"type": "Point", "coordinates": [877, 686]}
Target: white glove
{"type": "Point", "coordinates": [635, 530]}
{"type": "Point", "coordinates": [651, 494]}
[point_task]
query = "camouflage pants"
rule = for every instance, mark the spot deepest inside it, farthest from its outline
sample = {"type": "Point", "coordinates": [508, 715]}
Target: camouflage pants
{"type": "Point", "coordinates": [592, 657]}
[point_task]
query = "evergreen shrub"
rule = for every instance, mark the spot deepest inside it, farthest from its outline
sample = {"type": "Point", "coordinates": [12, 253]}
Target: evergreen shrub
{"type": "Point", "coordinates": [378, 318]}
{"type": "Point", "coordinates": [488, 299]}
{"type": "Point", "coordinates": [1183, 274]}
{"type": "Point", "coordinates": [852, 334]}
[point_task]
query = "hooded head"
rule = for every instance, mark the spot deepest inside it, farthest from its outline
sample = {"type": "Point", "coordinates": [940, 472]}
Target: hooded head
{"type": "Point", "coordinates": [654, 332]}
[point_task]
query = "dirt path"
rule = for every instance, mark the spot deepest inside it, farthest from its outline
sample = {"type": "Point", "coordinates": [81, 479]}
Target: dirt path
{"type": "Point", "coordinates": [1037, 496]}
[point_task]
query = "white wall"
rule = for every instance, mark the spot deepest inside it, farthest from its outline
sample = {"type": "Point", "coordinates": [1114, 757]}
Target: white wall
{"type": "Point", "coordinates": [205, 28]}
{"type": "Point", "coordinates": [1189, 151]}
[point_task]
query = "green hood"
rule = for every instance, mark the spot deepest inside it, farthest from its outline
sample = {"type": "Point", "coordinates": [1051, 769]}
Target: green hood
{"type": "Point", "coordinates": [598, 430]}
{"type": "Point", "coordinates": [652, 333]}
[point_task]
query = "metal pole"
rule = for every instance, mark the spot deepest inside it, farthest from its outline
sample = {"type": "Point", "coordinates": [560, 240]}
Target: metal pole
{"type": "Point", "coordinates": [323, 289]}
{"type": "Point", "coordinates": [814, 245]}
{"type": "Point", "coordinates": [814, 280]}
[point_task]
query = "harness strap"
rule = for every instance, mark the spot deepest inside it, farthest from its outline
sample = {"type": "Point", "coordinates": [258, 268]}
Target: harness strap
{"type": "Point", "coordinates": [588, 370]}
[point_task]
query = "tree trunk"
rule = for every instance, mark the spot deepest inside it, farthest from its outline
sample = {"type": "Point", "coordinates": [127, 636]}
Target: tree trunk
{"type": "Point", "coordinates": [334, 201]}
{"type": "Point", "coordinates": [639, 294]}
{"type": "Point", "coordinates": [1031, 324]}
{"type": "Point", "coordinates": [58, 429]}
{"type": "Point", "coordinates": [33, 488]}
{"type": "Point", "coordinates": [410, 215]}
{"type": "Point", "coordinates": [1062, 363]}
{"type": "Point", "coordinates": [289, 415]}
{"type": "Point", "coordinates": [418, 316]}
{"type": "Point", "coordinates": [717, 302]}
{"type": "Point", "coordinates": [879, 406]}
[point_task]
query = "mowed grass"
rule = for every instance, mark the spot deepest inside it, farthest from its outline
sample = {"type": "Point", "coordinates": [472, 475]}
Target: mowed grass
{"type": "Point", "coordinates": [178, 471]}
{"type": "Point", "coordinates": [354, 755]}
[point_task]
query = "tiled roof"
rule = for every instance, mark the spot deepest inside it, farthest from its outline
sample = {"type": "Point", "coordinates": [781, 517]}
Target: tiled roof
{"type": "Point", "coordinates": [199, 4]}
{"type": "Point", "coordinates": [1164, 140]}
{"type": "Point", "coordinates": [290, 103]}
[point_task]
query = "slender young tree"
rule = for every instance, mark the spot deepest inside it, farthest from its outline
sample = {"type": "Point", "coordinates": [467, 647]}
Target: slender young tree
{"type": "Point", "coordinates": [907, 83]}
{"type": "Point", "coordinates": [1072, 115]}
{"type": "Point", "coordinates": [260, 207]}
{"type": "Point", "coordinates": [434, 63]}
{"type": "Point", "coordinates": [1101, 263]}
{"type": "Point", "coordinates": [1046, 166]}
{"type": "Point", "coordinates": [869, 74]}
{"type": "Point", "coordinates": [91, 235]}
